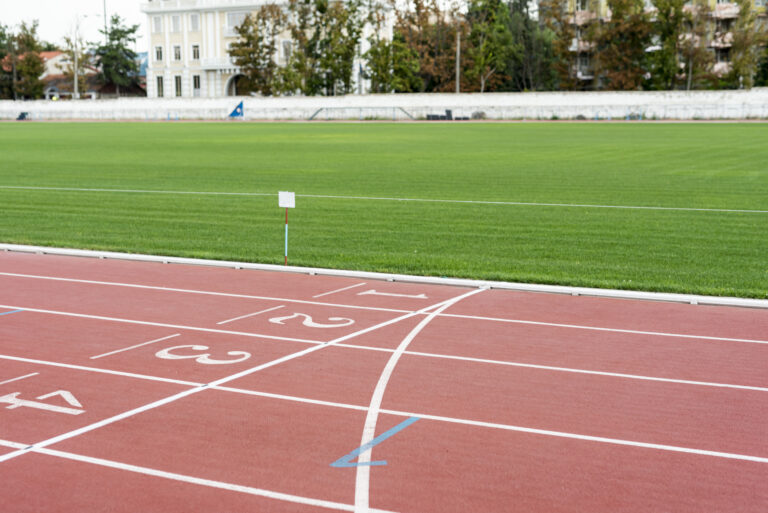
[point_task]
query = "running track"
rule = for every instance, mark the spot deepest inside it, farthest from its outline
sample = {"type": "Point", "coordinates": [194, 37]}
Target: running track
{"type": "Point", "coordinates": [143, 387]}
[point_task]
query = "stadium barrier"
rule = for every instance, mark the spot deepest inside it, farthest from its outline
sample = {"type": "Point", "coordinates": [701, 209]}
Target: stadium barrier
{"type": "Point", "coordinates": [607, 105]}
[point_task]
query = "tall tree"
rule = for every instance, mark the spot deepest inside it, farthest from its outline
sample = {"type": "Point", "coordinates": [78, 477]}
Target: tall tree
{"type": "Point", "coordinates": [391, 65]}
{"type": "Point", "coordinates": [25, 63]}
{"type": "Point", "coordinates": [115, 58]}
{"type": "Point", "coordinates": [491, 39]}
{"type": "Point", "coordinates": [694, 46]}
{"type": "Point", "coordinates": [749, 36]}
{"type": "Point", "coordinates": [6, 76]}
{"type": "Point", "coordinates": [532, 67]}
{"type": "Point", "coordinates": [342, 26]}
{"type": "Point", "coordinates": [556, 19]}
{"type": "Point", "coordinates": [257, 47]}
{"type": "Point", "coordinates": [620, 44]}
{"type": "Point", "coordinates": [74, 47]}
{"type": "Point", "coordinates": [669, 26]}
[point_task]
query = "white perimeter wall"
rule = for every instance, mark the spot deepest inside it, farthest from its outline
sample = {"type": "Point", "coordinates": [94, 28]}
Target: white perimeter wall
{"type": "Point", "coordinates": [752, 104]}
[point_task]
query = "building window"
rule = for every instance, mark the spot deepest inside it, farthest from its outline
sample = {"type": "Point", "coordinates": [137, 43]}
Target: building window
{"type": "Point", "coordinates": [176, 23]}
{"type": "Point", "coordinates": [196, 52]}
{"type": "Point", "coordinates": [177, 84]}
{"type": "Point", "coordinates": [584, 61]}
{"type": "Point", "coordinates": [158, 53]}
{"type": "Point", "coordinates": [582, 5]}
{"type": "Point", "coordinates": [176, 53]}
{"type": "Point", "coordinates": [235, 19]}
{"type": "Point", "coordinates": [159, 87]}
{"type": "Point", "coordinates": [194, 22]}
{"type": "Point", "coordinates": [195, 85]}
{"type": "Point", "coordinates": [157, 24]}
{"type": "Point", "coordinates": [286, 49]}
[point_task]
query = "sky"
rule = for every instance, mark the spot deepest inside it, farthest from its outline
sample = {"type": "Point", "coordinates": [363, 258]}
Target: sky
{"type": "Point", "coordinates": [58, 18]}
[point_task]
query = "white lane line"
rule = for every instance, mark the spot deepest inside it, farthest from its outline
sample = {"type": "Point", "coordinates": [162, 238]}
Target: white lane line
{"type": "Point", "coordinates": [377, 198]}
{"type": "Point", "coordinates": [17, 379]}
{"type": "Point", "coordinates": [251, 314]}
{"type": "Point", "coordinates": [612, 330]}
{"type": "Point", "coordinates": [297, 499]}
{"type": "Point", "coordinates": [363, 474]}
{"type": "Point", "coordinates": [12, 445]}
{"type": "Point", "coordinates": [102, 371]}
{"type": "Point", "coordinates": [134, 347]}
{"type": "Point", "coordinates": [201, 292]}
{"type": "Point", "coordinates": [587, 438]}
{"type": "Point", "coordinates": [339, 290]}
{"type": "Point", "coordinates": [173, 326]}
{"type": "Point", "coordinates": [185, 393]}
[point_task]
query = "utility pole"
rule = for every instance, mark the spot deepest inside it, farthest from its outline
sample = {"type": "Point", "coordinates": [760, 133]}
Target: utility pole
{"type": "Point", "coordinates": [76, 94]}
{"type": "Point", "coordinates": [106, 37]}
{"type": "Point", "coordinates": [458, 58]}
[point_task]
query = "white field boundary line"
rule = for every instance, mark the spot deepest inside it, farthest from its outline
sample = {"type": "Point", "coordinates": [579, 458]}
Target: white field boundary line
{"type": "Point", "coordinates": [193, 291]}
{"type": "Point", "coordinates": [363, 469]}
{"type": "Point", "coordinates": [429, 280]}
{"type": "Point", "coordinates": [384, 198]}
{"type": "Point", "coordinates": [198, 389]}
{"type": "Point", "coordinates": [309, 501]}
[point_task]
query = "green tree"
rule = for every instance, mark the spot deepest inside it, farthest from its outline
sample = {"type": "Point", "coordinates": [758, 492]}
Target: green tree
{"type": "Point", "coordinates": [116, 60]}
{"type": "Point", "coordinates": [492, 44]}
{"type": "Point", "coordinates": [302, 73]}
{"type": "Point", "coordinates": [532, 67]}
{"type": "Point", "coordinates": [6, 76]}
{"type": "Point", "coordinates": [556, 19]}
{"type": "Point", "coordinates": [339, 37]}
{"type": "Point", "coordinates": [256, 49]}
{"type": "Point", "coordinates": [391, 65]}
{"type": "Point", "coordinates": [669, 26]}
{"type": "Point", "coordinates": [620, 44]}
{"type": "Point", "coordinates": [83, 62]}
{"type": "Point", "coordinates": [749, 36]}
{"type": "Point", "coordinates": [697, 59]}
{"type": "Point", "coordinates": [25, 63]}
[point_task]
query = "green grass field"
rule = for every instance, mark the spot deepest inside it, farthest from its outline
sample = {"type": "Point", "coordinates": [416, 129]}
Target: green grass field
{"type": "Point", "coordinates": [704, 166]}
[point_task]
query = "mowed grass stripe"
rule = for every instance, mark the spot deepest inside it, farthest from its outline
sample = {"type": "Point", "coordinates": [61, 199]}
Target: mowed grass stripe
{"type": "Point", "coordinates": [695, 166]}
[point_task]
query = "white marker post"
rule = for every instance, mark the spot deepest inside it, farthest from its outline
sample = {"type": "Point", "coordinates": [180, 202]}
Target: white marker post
{"type": "Point", "coordinates": [286, 200]}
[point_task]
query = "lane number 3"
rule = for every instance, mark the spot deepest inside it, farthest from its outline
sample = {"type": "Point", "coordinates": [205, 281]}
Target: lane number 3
{"type": "Point", "coordinates": [205, 358]}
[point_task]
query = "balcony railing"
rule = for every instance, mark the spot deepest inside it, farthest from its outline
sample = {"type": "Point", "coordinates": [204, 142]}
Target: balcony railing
{"type": "Point", "coordinates": [191, 5]}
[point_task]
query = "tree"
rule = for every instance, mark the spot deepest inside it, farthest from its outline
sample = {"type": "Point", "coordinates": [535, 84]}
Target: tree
{"type": "Point", "coordinates": [341, 28]}
{"type": "Point", "coordinates": [668, 26]}
{"type": "Point", "coordinates": [492, 43]}
{"type": "Point", "coordinates": [83, 62]}
{"type": "Point", "coordinates": [556, 19]}
{"type": "Point", "coordinates": [391, 65]}
{"type": "Point", "coordinates": [697, 59]}
{"type": "Point", "coordinates": [116, 60]}
{"type": "Point", "coordinates": [23, 62]}
{"type": "Point", "coordinates": [620, 44]}
{"type": "Point", "coordinates": [531, 68]}
{"type": "Point", "coordinates": [749, 36]}
{"type": "Point", "coordinates": [302, 74]}
{"type": "Point", "coordinates": [6, 77]}
{"type": "Point", "coordinates": [256, 49]}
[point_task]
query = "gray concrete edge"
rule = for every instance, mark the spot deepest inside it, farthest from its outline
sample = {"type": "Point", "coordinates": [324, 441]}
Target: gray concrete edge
{"type": "Point", "coordinates": [457, 282]}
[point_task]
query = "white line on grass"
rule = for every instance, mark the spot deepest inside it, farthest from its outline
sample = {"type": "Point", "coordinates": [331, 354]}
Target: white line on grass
{"type": "Point", "coordinates": [134, 347]}
{"type": "Point", "coordinates": [339, 290]}
{"type": "Point", "coordinates": [376, 198]}
{"type": "Point", "coordinates": [251, 314]}
{"type": "Point", "coordinates": [17, 379]}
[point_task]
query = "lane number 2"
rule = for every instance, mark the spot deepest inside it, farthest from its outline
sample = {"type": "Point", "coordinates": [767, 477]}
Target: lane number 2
{"type": "Point", "coordinates": [309, 322]}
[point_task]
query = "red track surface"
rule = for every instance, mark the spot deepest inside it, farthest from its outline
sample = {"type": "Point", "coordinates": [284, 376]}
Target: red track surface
{"type": "Point", "coordinates": [132, 387]}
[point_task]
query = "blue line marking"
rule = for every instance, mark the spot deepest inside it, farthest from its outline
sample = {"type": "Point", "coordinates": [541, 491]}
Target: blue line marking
{"type": "Point", "coordinates": [346, 461]}
{"type": "Point", "coordinates": [12, 311]}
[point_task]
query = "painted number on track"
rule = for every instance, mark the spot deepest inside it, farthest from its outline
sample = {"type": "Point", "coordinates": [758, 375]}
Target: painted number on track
{"type": "Point", "coordinates": [205, 358]}
{"type": "Point", "coordinates": [15, 402]}
{"type": "Point", "coordinates": [309, 322]}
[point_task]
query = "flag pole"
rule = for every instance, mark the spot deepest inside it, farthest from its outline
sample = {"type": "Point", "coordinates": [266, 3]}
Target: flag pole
{"type": "Point", "coordinates": [286, 236]}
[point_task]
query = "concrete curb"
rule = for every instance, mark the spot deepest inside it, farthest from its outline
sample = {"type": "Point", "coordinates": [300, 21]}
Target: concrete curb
{"type": "Point", "coordinates": [457, 282]}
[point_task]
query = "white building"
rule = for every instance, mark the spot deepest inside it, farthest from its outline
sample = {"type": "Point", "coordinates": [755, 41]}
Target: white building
{"type": "Point", "coordinates": [188, 43]}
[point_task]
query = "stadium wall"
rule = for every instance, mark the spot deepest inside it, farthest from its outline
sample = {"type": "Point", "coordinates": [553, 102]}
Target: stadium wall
{"type": "Point", "coordinates": [693, 105]}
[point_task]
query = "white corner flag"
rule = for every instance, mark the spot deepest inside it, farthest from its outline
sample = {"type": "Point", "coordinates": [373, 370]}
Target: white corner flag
{"type": "Point", "coordinates": [286, 200]}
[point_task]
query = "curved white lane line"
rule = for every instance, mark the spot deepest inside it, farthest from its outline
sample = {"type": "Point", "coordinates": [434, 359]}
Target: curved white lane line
{"type": "Point", "coordinates": [362, 478]}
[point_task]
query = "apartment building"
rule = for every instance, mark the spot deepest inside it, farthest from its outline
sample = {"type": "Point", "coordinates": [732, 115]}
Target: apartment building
{"type": "Point", "coordinates": [720, 41]}
{"type": "Point", "coordinates": [189, 42]}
